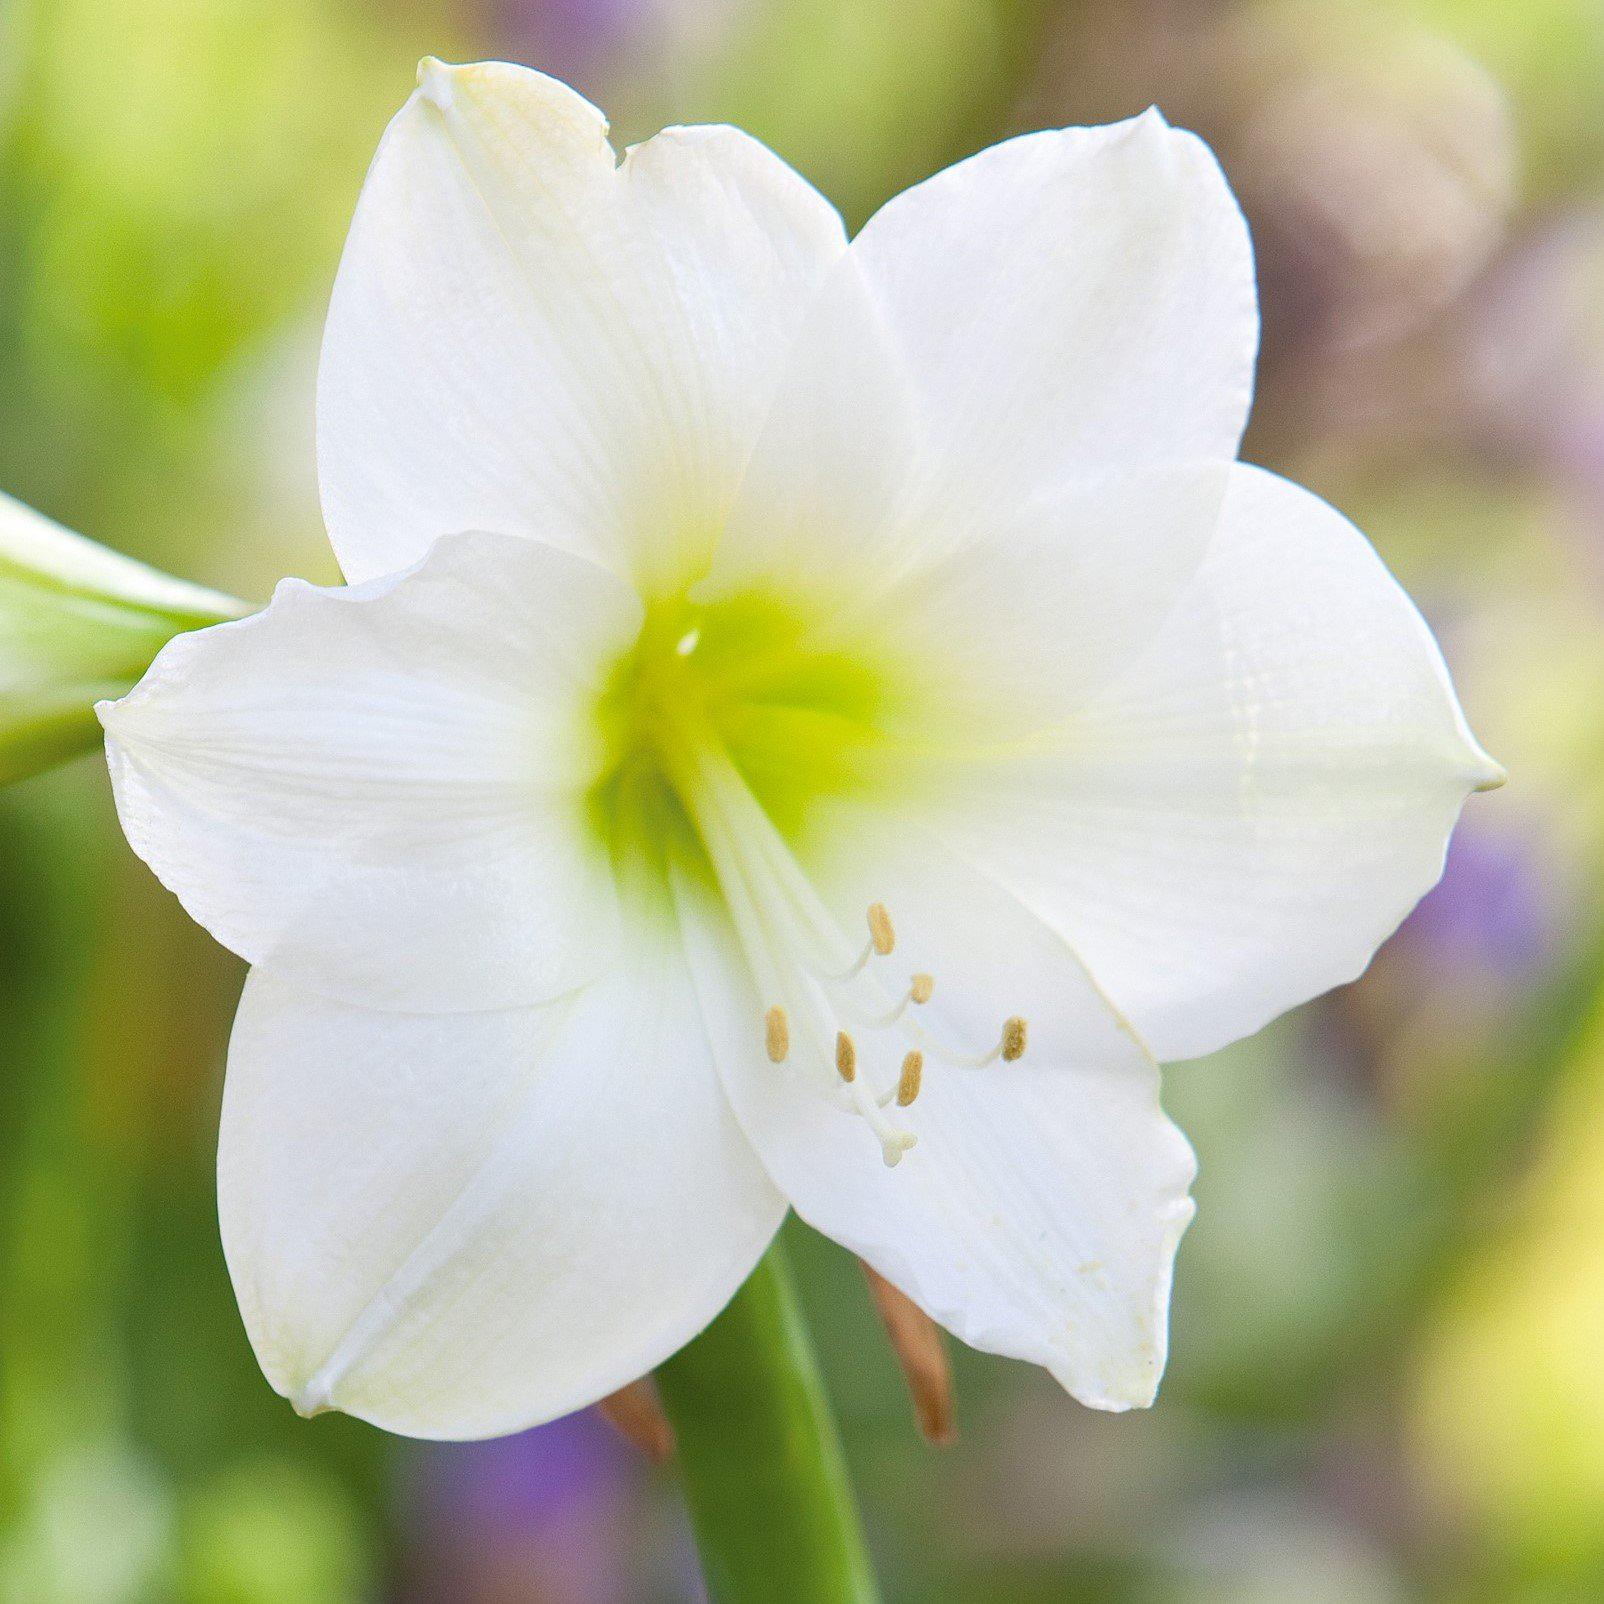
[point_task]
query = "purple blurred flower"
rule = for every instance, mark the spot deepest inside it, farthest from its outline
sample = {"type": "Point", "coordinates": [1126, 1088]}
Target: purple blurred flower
{"type": "Point", "coordinates": [1375, 160]}
{"type": "Point", "coordinates": [1493, 911]}
{"type": "Point", "coordinates": [540, 1517]}
{"type": "Point", "coordinates": [1537, 350]}
{"type": "Point", "coordinates": [1378, 175]}
{"type": "Point", "coordinates": [575, 39]}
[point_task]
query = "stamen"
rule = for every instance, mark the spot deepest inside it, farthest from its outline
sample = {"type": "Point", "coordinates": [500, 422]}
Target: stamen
{"type": "Point", "coordinates": [1010, 1047]}
{"type": "Point", "coordinates": [919, 992]}
{"type": "Point", "coordinates": [846, 1057]}
{"type": "Point", "coordinates": [908, 1082]}
{"type": "Point", "coordinates": [882, 938]}
{"type": "Point", "coordinates": [777, 1035]}
{"type": "Point", "coordinates": [1013, 1039]}
{"type": "Point", "coordinates": [893, 1143]}
{"type": "Point", "coordinates": [783, 925]}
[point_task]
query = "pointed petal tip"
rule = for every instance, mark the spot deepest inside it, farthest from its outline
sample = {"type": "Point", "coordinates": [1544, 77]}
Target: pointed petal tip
{"type": "Point", "coordinates": [311, 1400]}
{"type": "Point", "coordinates": [1477, 767]}
{"type": "Point", "coordinates": [1488, 774]}
{"type": "Point", "coordinates": [1150, 127]}
{"type": "Point", "coordinates": [435, 81]}
{"type": "Point", "coordinates": [440, 83]}
{"type": "Point", "coordinates": [121, 716]}
{"type": "Point", "coordinates": [1118, 1395]}
{"type": "Point", "coordinates": [1123, 1403]}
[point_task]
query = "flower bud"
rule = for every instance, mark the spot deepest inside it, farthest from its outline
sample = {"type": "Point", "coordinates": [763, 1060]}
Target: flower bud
{"type": "Point", "coordinates": [77, 623]}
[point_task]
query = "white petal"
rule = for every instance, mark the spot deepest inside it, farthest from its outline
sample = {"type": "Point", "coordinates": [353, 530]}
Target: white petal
{"type": "Point", "coordinates": [382, 789]}
{"type": "Point", "coordinates": [1238, 822]}
{"type": "Point", "coordinates": [1008, 471]}
{"type": "Point", "coordinates": [528, 336]}
{"type": "Point", "coordinates": [462, 1225]}
{"type": "Point", "coordinates": [1039, 1213]}
{"type": "Point", "coordinates": [1071, 301]}
{"type": "Point", "coordinates": [1018, 622]}
{"type": "Point", "coordinates": [826, 494]}
{"type": "Point", "coordinates": [1013, 611]}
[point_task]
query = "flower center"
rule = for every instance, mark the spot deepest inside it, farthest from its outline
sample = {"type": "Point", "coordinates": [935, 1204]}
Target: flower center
{"type": "Point", "coordinates": [801, 715]}
{"type": "Point", "coordinates": [726, 726]}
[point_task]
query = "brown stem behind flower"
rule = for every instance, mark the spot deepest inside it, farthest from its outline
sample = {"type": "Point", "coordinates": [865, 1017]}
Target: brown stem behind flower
{"type": "Point", "coordinates": [923, 1356]}
{"type": "Point", "coordinates": [635, 1412]}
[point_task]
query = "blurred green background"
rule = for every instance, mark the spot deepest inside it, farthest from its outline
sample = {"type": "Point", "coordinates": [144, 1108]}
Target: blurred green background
{"type": "Point", "coordinates": [1388, 1380]}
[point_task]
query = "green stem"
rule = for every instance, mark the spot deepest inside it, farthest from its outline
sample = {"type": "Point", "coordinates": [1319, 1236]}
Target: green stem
{"type": "Point", "coordinates": [770, 1502]}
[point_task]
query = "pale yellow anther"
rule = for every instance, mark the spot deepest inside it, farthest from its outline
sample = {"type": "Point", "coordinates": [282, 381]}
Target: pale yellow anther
{"type": "Point", "coordinates": [846, 1057]}
{"type": "Point", "coordinates": [920, 988]}
{"type": "Point", "coordinates": [913, 1068]}
{"type": "Point", "coordinates": [1013, 1039]}
{"type": "Point", "coordinates": [776, 1035]}
{"type": "Point", "coordinates": [881, 934]}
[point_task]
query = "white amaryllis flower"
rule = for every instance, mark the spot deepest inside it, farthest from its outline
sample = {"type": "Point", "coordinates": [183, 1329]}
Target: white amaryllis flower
{"type": "Point", "coordinates": [796, 705]}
